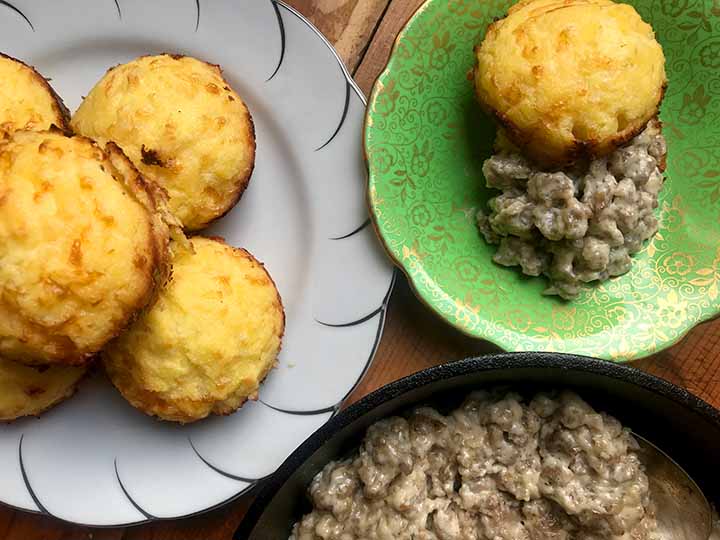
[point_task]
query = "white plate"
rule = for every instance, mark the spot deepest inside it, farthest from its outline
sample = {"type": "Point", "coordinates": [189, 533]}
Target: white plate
{"type": "Point", "coordinates": [94, 459]}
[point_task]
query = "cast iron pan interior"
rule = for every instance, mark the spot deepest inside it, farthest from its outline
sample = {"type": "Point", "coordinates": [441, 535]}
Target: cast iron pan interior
{"type": "Point", "coordinates": [687, 428]}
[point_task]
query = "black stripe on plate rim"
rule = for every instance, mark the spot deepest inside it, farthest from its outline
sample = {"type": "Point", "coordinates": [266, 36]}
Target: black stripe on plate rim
{"type": "Point", "coordinates": [352, 323]}
{"type": "Point", "coordinates": [218, 470]}
{"type": "Point", "coordinates": [17, 10]}
{"type": "Point", "coordinates": [335, 409]}
{"type": "Point", "coordinates": [353, 232]}
{"type": "Point", "coordinates": [119, 12]}
{"type": "Point", "coordinates": [281, 26]}
{"type": "Point", "coordinates": [378, 336]}
{"type": "Point", "coordinates": [319, 34]}
{"type": "Point", "coordinates": [29, 488]}
{"type": "Point", "coordinates": [342, 118]}
{"type": "Point", "coordinates": [139, 508]}
{"type": "Point", "coordinates": [325, 410]}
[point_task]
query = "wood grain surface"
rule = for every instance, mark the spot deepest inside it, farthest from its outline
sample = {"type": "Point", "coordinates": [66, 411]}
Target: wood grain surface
{"type": "Point", "coordinates": [364, 32]}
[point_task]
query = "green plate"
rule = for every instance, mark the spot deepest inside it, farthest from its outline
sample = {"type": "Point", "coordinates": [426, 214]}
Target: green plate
{"type": "Point", "coordinates": [426, 140]}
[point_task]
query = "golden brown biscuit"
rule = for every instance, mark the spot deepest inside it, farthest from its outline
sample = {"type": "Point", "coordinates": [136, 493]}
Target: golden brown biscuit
{"type": "Point", "coordinates": [570, 78]}
{"type": "Point", "coordinates": [208, 342]}
{"type": "Point", "coordinates": [182, 126]}
{"type": "Point", "coordinates": [27, 101]}
{"type": "Point", "coordinates": [27, 390]}
{"type": "Point", "coordinates": [82, 248]}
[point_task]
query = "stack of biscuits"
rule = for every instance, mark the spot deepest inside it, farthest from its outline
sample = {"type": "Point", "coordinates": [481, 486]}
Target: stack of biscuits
{"type": "Point", "coordinates": [97, 260]}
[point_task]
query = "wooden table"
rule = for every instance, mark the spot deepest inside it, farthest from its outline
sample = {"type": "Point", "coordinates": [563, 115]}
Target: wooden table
{"type": "Point", "coordinates": [363, 32]}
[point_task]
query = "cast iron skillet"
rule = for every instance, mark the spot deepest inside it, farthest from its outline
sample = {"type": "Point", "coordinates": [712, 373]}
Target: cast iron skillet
{"type": "Point", "coordinates": [687, 428]}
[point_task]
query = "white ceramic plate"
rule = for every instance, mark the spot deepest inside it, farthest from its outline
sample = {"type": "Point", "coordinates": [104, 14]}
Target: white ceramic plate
{"type": "Point", "coordinates": [94, 459]}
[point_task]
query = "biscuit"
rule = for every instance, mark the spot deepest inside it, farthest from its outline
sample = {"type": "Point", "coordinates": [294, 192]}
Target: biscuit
{"type": "Point", "coordinates": [207, 343]}
{"type": "Point", "coordinates": [182, 126]}
{"type": "Point", "coordinates": [569, 79]}
{"type": "Point", "coordinates": [29, 391]}
{"type": "Point", "coordinates": [82, 246]}
{"type": "Point", "coordinates": [27, 101]}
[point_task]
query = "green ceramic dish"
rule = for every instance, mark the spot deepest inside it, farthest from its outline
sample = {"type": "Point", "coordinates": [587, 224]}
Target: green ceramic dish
{"type": "Point", "coordinates": [426, 140]}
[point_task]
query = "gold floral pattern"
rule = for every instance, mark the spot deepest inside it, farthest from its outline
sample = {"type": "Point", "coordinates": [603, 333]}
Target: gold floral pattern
{"type": "Point", "coordinates": [426, 141]}
{"type": "Point", "coordinates": [679, 264]}
{"type": "Point", "coordinates": [672, 309]}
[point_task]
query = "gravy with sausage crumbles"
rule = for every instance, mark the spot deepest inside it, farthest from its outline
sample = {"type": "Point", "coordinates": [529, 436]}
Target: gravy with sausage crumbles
{"type": "Point", "coordinates": [497, 468]}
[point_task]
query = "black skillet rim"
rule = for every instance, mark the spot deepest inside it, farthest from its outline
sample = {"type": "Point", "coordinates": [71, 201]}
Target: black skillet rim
{"type": "Point", "coordinates": [492, 362]}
